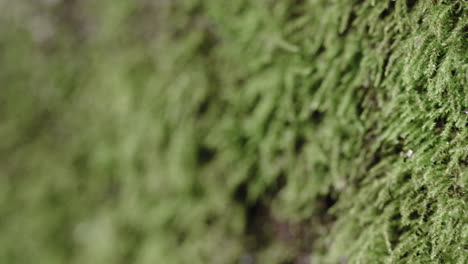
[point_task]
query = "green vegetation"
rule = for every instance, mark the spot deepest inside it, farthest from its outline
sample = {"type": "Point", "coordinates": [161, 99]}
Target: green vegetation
{"type": "Point", "coordinates": [247, 131]}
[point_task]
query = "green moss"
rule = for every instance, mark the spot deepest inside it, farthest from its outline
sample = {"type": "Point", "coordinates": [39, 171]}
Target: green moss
{"type": "Point", "coordinates": [232, 131]}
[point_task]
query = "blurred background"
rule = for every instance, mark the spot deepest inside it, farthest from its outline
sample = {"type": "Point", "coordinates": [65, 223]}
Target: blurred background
{"type": "Point", "coordinates": [110, 119]}
{"type": "Point", "coordinates": [82, 132]}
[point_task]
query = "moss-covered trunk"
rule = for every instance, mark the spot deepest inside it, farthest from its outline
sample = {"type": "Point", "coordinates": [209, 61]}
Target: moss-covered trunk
{"type": "Point", "coordinates": [241, 131]}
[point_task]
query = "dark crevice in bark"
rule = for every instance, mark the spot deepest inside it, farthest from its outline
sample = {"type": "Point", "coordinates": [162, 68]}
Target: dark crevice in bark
{"type": "Point", "coordinates": [264, 228]}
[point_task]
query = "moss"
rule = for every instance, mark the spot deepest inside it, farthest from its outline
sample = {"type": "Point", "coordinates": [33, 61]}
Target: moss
{"type": "Point", "coordinates": [233, 131]}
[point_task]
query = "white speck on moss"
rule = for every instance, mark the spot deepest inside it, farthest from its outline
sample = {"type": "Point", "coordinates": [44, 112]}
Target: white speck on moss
{"type": "Point", "coordinates": [409, 153]}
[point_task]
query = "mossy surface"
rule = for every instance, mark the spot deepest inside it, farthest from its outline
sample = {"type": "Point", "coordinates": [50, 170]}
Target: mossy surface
{"type": "Point", "coordinates": [207, 131]}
